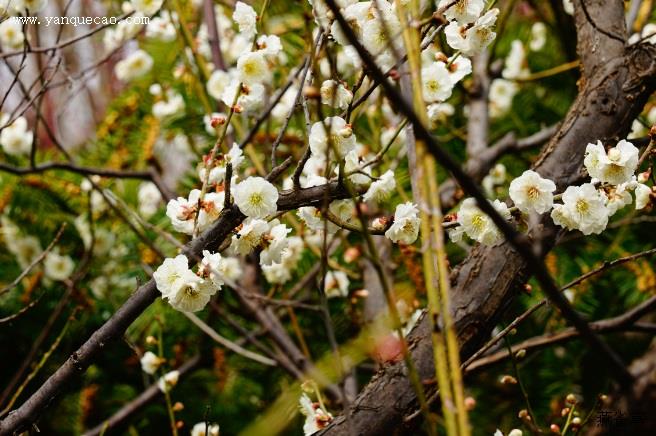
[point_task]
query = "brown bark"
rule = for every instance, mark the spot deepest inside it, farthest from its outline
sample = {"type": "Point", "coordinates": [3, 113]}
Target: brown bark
{"type": "Point", "coordinates": [613, 90]}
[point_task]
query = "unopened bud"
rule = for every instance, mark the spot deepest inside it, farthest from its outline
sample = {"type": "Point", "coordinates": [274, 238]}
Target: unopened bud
{"type": "Point", "coordinates": [217, 120]}
{"type": "Point", "coordinates": [179, 424]}
{"type": "Point", "coordinates": [603, 398]}
{"type": "Point", "coordinates": [528, 288]}
{"type": "Point", "coordinates": [555, 428]}
{"type": "Point", "coordinates": [521, 353]}
{"type": "Point", "coordinates": [394, 74]}
{"type": "Point", "coordinates": [237, 109]}
{"type": "Point", "coordinates": [151, 340]}
{"type": "Point", "coordinates": [470, 403]}
{"type": "Point", "coordinates": [644, 176]}
{"type": "Point", "coordinates": [565, 411]}
{"type": "Point", "coordinates": [652, 132]}
{"type": "Point", "coordinates": [523, 414]}
{"type": "Point", "coordinates": [361, 293]}
{"type": "Point", "coordinates": [380, 223]}
{"type": "Point", "coordinates": [570, 399]}
{"type": "Point", "coordinates": [346, 132]}
{"type": "Point", "coordinates": [441, 57]}
{"type": "Point", "coordinates": [576, 421]}
{"type": "Point", "coordinates": [351, 254]}
{"type": "Point", "coordinates": [512, 332]}
{"type": "Point", "coordinates": [178, 406]}
{"type": "Point", "coordinates": [311, 92]}
{"type": "Point", "coordinates": [508, 380]}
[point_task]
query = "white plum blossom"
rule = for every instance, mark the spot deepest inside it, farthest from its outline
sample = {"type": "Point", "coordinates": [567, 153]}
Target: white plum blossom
{"type": "Point", "coordinates": [270, 45]}
{"type": "Point", "coordinates": [149, 199]}
{"type": "Point", "coordinates": [249, 236]}
{"type": "Point", "coordinates": [252, 68]}
{"type": "Point", "coordinates": [202, 429]}
{"type": "Point", "coordinates": [15, 138]}
{"type": "Point", "coordinates": [381, 189]}
{"type": "Point", "coordinates": [11, 35]}
{"type": "Point", "coordinates": [342, 139]}
{"type": "Point", "coordinates": [405, 228]}
{"type": "Point", "coordinates": [642, 196]}
{"type": "Point", "coordinates": [150, 362]}
{"type": "Point", "coordinates": [169, 272]}
{"type": "Point", "coordinates": [616, 166]}
{"type": "Point", "coordinates": [147, 7]}
{"type": "Point", "coordinates": [515, 63]}
{"type": "Point", "coordinates": [170, 106]}
{"type": "Point", "coordinates": [168, 381]}
{"type": "Point", "coordinates": [58, 267]}
{"type": "Point", "coordinates": [162, 28]}
{"type": "Point", "coordinates": [583, 208]}
{"type": "Point", "coordinates": [315, 417]}
{"type": "Point", "coordinates": [352, 164]}
{"type": "Point", "coordinates": [336, 284]}
{"type": "Point", "coordinates": [230, 268]}
{"type": "Point", "coordinates": [463, 11]}
{"type": "Point", "coordinates": [459, 67]}
{"type": "Point", "coordinates": [496, 177]}
{"type": "Point", "coordinates": [513, 432]}
{"type": "Point", "coordinates": [191, 293]}
{"type": "Point", "coordinates": [275, 242]}
{"type": "Point", "coordinates": [439, 112]}
{"type": "Point", "coordinates": [538, 36]}
{"type": "Point", "coordinates": [617, 198]}
{"type": "Point", "coordinates": [256, 197]}
{"type": "Point", "coordinates": [502, 92]}
{"type": "Point", "coordinates": [335, 94]}
{"type": "Point", "coordinates": [138, 64]}
{"type": "Point", "coordinates": [470, 40]}
{"type": "Point", "coordinates": [532, 193]}
{"type": "Point", "coordinates": [183, 212]}
{"type": "Point", "coordinates": [437, 84]}
{"type": "Point", "coordinates": [209, 268]}
{"type": "Point", "coordinates": [246, 18]}
{"type": "Point", "coordinates": [217, 84]}
{"type": "Point", "coordinates": [477, 225]}
{"type": "Point", "coordinates": [235, 156]}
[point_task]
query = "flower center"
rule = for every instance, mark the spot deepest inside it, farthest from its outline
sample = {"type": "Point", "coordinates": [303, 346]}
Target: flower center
{"type": "Point", "coordinates": [256, 199]}
{"type": "Point", "coordinates": [582, 206]}
{"type": "Point", "coordinates": [533, 192]}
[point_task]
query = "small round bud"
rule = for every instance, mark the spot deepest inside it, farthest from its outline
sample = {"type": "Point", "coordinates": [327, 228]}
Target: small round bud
{"type": "Point", "coordinates": [217, 120]}
{"type": "Point", "coordinates": [576, 421]}
{"type": "Point", "coordinates": [179, 424]}
{"type": "Point", "coordinates": [570, 399]}
{"type": "Point", "coordinates": [346, 132]}
{"type": "Point", "coordinates": [311, 92]}
{"type": "Point", "coordinates": [512, 332]}
{"type": "Point", "coordinates": [394, 74]}
{"type": "Point", "coordinates": [470, 403]}
{"type": "Point", "coordinates": [508, 380]}
{"type": "Point", "coordinates": [528, 288]}
{"type": "Point", "coordinates": [644, 176]}
{"type": "Point", "coordinates": [351, 254]}
{"type": "Point", "coordinates": [652, 133]}
{"type": "Point", "coordinates": [151, 340]}
{"type": "Point", "coordinates": [237, 109]}
{"type": "Point", "coordinates": [178, 406]}
{"type": "Point", "coordinates": [554, 428]}
{"type": "Point", "coordinates": [603, 398]}
{"type": "Point", "coordinates": [520, 354]}
{"type": "Point", "coordinates": [522, 414]}
{"type": "Point", "coordinates": [565, 411]}
{"type": "Point", "coordinates": [361, 293]}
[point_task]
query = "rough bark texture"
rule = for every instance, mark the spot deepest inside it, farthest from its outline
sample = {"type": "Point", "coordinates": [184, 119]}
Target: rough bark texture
{"type": "Point", "coordinates": [615, 85]}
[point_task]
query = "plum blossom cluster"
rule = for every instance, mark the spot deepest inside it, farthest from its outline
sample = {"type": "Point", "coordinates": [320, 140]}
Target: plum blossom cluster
{"type": "Point", "coordinates": [190, 291]}
{"type": "Point", "coordinates": [586, 208]}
